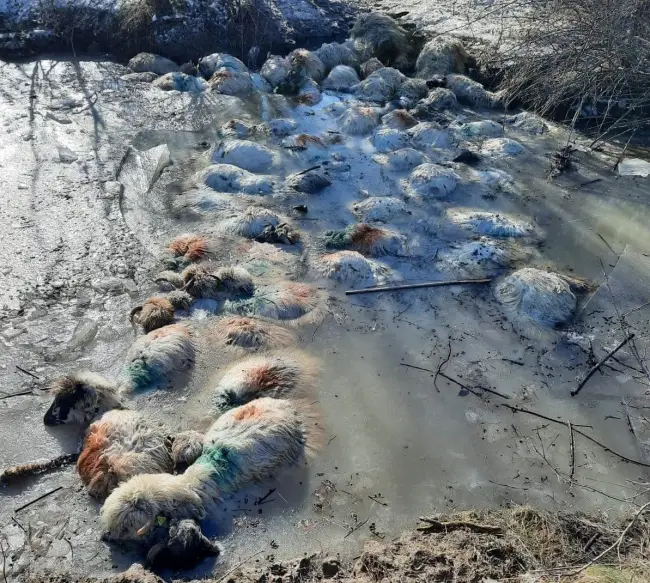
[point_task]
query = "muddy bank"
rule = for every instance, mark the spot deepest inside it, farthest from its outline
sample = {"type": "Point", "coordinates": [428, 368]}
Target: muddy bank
{"type": "Point", "coordinates": [518, 544]}
{"type": "Point", "coordinates": [126, 28]}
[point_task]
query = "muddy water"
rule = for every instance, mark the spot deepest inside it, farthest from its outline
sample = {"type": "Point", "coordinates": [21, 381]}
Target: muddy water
{"type": "Point", "coordinates": [400, 443]}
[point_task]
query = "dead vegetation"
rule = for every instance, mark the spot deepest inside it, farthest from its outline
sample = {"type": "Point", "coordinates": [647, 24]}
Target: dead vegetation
{"type": "Point", "coordinates": [515, 544]}
{"type": "Point", "coordinates": [562, 57]}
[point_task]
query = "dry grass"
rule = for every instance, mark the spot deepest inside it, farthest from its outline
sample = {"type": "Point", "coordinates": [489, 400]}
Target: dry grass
{"type": "Point", "coordinates": [560, 57]}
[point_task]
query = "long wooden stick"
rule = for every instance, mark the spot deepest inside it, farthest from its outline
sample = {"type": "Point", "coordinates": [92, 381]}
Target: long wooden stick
{"type": "Point", "coordinates": [573, 449]}
{"type": "Point", "coordinates": [603, 360]}
{"type": "Point", "coordinates": [382, 288]}
{"type": "Point", "coordinates": [33, 468]}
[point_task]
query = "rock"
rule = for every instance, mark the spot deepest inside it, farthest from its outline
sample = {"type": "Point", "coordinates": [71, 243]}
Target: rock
{"type": "Point", "coordinates": [331, 567]}
{"type": "Point", "coordinates": [150, 63]}
{"type": "Point", "coordinates": [111, 285]}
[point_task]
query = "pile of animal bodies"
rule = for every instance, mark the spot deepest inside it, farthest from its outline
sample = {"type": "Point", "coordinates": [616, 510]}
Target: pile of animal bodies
{"type": "Point", "coordinates": [156, 484]}
{"type": "Point", "coordinates": [342, 97]}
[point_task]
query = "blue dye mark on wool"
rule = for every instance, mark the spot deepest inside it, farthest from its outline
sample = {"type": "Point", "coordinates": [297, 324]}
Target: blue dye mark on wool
{"type": "Point", "coordinates": [224, 467]}
{"type": "Point", "coordinates": [143, 376]}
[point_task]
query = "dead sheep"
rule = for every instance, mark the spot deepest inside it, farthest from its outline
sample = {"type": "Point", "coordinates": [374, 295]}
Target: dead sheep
{"type": "Point", "coordinates": [359, 121]}
{"type": "Point", "coordinates": [146, 77]}
{"type": "Point", "coordinates": [491, 224]}
{"type": "Point", "coordinates": [399, 119]}
{"type": "Point", "coordinates": [118, 444]}
{"type": "Point", "coordinates": [310, 182]}
{"type": "Point", "coordinates": [177, 81]}
{"type": "Point", "coordinates": [150, 63]}
{"type": "Point", "coordinates": [291, 302]}
{"type": "Point", "coordinates": [260, 83]}
{"type": "Point", "coordinates": [250, 223]}
{"type": "Point", "coordinates": [244, 154]}
{"type": "Point", "coordinates": [190, 247]}
{"type": "Point", "coordinates": [370, 66]}
{"type": "Point", "coordinates": [209, 65]}
{"type": "Point", "coordinates": [528, 122]}
{"type": "Point", "coordinates": [154, 357]}
{"type": "Point", "coordinates": [229, 82]}
{"type": "Point", "coordinates": [472, 92]}
{"type": "Point", "coordinates": [309, 93]}
{"type": "Point", "coordinates": [287, 375]}
{"type": "Point", "coordinates": [366, 239]}
{"type": "Point", "coordinates": [540, 298]}
{"type": "Point", "coordinates": [378, 35]}
{"type": "Point", "coordinates": [181, 544]}
{"type": "Point", "coordinates": [250, 334]}
{"type": "Point", "coordinates": [438, 99]}
{"type": "Point", "coordinates": [412, 90]}
{"type": "Point", "coordinates": [341, 78]}
{"type": "Point", "coordinates": [278, 128]}
{"type": "Point", "coordinates": [431, 181]}
{"type": "Point", "coordinates": [229, 178]}
{"type": "Point", "coordinates": [247, 444]}
{"type": "Point", "coordinates": [335, 54]}
{"type": "Point", "coordinates": [381, 86]}
{"type": "Point", "coordinates": [204, 281]}
{"type": "Point", "coordinates": [482, 257]}
{"type": "Point", "coordinates": [350, 267]}
{"type": "Point", "coordinates": [275, 70]}
{"type": "Point", "coordinates": [426, 135]}
{"type": "Point", "coordinates": [388, 140]}
{"type": "Point", "coordinates": [307, 63]}
{"type": "Point", "coordinates": [501, 147]}
{"type": "Point", "coordinates": [236, 128]}
{"type": "Point", "coordinates": [159, 311]}
{"type": "Point", "coordinates": [379, 208]}
{"type": "Point", "coordinates": [313, 147]}
{"type": "Point", "coordinates": [485, 128]}
{"type": "Point", "coordinates": [282, 234]}
{"type": "Point", "coordinates": [442, 56]}
{"type": "Point", "coordinates": [404, 159]}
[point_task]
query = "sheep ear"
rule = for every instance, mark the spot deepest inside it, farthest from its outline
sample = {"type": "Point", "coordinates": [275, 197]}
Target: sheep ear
{"type": "Point", "coordinates": [145, 529]}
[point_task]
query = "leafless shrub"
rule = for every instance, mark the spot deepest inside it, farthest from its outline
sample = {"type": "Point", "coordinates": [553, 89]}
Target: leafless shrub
{"type": "Point", "coordinates": [579, 58]}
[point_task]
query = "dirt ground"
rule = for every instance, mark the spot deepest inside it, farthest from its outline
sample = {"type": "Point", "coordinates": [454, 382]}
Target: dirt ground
{"type": "Point", "coordinates": [517, 544]}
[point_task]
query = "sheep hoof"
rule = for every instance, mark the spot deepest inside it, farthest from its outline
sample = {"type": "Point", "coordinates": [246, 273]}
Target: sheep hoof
{"type": "Point", "coordinates": [184, 546]}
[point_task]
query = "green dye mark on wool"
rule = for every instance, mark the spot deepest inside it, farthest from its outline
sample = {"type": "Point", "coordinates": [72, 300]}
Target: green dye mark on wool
{"type": "Point", "coordinates": [139, 374]}
{"type": "Point", "coordinates": [224, 469]}
{"type": "Point", "coordinates": [336, 239]}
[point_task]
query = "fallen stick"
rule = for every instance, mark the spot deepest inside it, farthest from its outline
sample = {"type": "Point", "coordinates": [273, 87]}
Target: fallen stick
{"type": "Point", "coordinates": [602, 361]}
{"type": "Point", "coordinates": [39, 498]}
{"type": "Point", "coordinates": [357, 527]}
{"type": "Point", "coordinates": [34, 468]}
{"type": "Point", "coordinates": [223, 577]}
{"type": "Point", "coordinates": [616, 543]}
{"type": "Point", "coordinates": [598, 443]}
{"type": "Point", "coordinates": [573, 449]}
{"type": "Point", "coordinates": [16, 394]}
{"type": "Point", "coordinates": [381, 288]}
{"type": "Point", "coordinates": [31, 374]}
{"type": "Point", "coordinates": [438, 526]}
{"type": "Point", "coordinates": [456, 381]}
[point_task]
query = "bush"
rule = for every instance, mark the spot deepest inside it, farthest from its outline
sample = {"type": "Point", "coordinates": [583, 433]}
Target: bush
{"type": "Point", "coordinates": [579, 56]}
